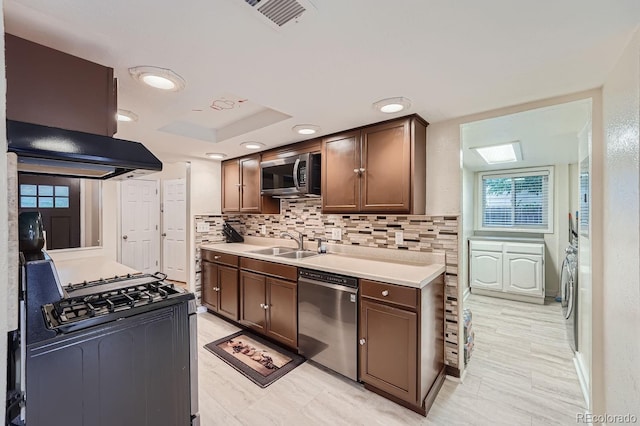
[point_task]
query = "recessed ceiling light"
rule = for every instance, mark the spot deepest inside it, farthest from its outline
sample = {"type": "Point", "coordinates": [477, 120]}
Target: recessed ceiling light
{"type": "Point", "coordinates": [306, 129]}
{"type": "Point", "coordinates": [252, 145]}
{"type": "Point", "coordinates": [391, 105]}
{"type": "Point", "coordinates": [503, 153]}
{"type": "Point", "coordinates": [124, 115]}
{"type": "Point", "coordinates": [160, 78]}
{"type": "Point", "coordinates": [216, 155]}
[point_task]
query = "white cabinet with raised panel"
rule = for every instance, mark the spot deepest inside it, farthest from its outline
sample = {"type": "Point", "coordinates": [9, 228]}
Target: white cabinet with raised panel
{"type": "Point", "coordinates": [507, 269]}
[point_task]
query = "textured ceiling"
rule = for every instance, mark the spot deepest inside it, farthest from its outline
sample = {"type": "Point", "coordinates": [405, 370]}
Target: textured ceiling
{"type": "Point", "coordinates": [449, 58]}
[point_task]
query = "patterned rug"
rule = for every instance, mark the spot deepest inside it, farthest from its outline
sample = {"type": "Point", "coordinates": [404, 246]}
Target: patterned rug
{"type": "Point", "coordinates": [260, 361]}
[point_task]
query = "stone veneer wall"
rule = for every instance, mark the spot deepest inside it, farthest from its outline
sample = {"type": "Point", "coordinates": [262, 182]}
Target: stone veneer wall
{"type": "Point", "coordinates": [421, 233]}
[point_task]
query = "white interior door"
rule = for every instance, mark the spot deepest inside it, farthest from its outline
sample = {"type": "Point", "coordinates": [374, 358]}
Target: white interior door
{"type": "Point", "coordinates": [174, 229]}
{"type": "Point", "coordinates": [139, 230]}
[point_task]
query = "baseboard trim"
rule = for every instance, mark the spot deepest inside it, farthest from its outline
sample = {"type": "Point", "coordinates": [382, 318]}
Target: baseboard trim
{"type": "Point", "coordinates": [584, 386]}
{"type": "Point", "coordinates": [510, 296]}
{"type": "Point", "coordinates": [465, 294]}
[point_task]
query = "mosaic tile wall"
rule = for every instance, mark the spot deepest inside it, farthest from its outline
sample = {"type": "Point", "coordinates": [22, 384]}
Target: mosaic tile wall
{"type": "Point", "coordinates": [420, 233]}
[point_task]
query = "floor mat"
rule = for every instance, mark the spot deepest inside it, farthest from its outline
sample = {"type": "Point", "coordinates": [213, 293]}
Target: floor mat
{"type": "Point", "coordinates": [257, 359]}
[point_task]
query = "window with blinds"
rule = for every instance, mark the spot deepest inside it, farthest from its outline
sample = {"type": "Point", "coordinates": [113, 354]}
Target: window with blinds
{"type": "Point", "coordinates": [517, 200]}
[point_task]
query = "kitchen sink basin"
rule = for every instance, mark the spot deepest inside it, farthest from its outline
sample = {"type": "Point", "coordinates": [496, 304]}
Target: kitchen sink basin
{"type": "Point", "coordinates": [298, 254]}
{"type": "Point", "coordinates": [274, 251]}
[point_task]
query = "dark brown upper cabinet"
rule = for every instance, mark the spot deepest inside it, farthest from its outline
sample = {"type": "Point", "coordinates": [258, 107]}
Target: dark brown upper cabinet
{"type": "Point", "coordinates": [241, 187]}
{"type": "Point", "coordinates": [376, 169]}
{"type": "Point", "coordinates": [52, 88]}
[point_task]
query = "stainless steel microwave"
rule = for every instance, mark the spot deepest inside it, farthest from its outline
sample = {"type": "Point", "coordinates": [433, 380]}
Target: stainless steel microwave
{"type": "Point", "coordinates": [292, 177]}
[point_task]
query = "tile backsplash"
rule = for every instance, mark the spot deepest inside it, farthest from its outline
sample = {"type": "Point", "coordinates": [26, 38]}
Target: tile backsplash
{"type": "Point", "coordinates": [420, 233]}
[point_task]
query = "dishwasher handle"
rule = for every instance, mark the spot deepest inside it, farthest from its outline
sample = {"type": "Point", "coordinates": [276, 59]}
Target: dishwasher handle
{"type": "Point", "coordinates": [328, 285]}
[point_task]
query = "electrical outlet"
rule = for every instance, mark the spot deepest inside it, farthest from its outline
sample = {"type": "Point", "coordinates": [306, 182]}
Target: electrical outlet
{"type": "Point", "coordinates": [336, 234]}
{"type": "Point", "coordinates": [399, 237]}
{"type": "Point", "coordinates": [263, 229]}
{"type": "Point", "coordinates": [202, 227]}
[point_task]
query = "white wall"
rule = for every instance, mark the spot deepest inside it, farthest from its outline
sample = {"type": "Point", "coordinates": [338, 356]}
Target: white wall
{"type": "Point", "coordinates": [467, 225]}
{"type": "Point", "coordinates": [4, 228]}
{"type": "Point", "coordinates": [205, 198]}
{"type": "Point", "coordinates": [618, 343]}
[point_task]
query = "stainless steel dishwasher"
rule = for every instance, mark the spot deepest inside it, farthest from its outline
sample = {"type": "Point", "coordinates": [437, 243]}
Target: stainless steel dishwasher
{"type": "Point", "coordinates": [328, 320]}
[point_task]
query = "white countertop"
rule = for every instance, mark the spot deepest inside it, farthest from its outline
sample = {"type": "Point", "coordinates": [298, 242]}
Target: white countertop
{"type": "Point", "coordinates": [408, 274]}
{"type": "Point", "coordinates": [507, 239]}
{"type": "Point", "coordinates": [75, 271]}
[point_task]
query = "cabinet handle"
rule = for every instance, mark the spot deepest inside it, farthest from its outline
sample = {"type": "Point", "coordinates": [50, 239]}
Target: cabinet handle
{"type": "Point", "coordinates": [356, 170]}
{"type": "Point", "coordinates": [216, 288]}
{"type": "Point", "coordinates": [362, 342]}
{"type": "Point", "coordinates": [266, 307]}
{"type": "Point", "coordinates": [216, 257]}
{"type": "Point", "coordinates": [385, 293]}
{"type": "Point", "coordinates": [262, 305]}
{"type": "Point", "coordinates": [361, 170]}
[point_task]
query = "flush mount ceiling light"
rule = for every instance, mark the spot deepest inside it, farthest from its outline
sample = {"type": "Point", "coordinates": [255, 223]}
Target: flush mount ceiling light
{"type": "Point", "coordinates": [392, 105]}
{"type": "Point", "coordinates": [160, 78]}
{"type": "Point", "coordinates": [252, 145]}
{"type": "Point", "coordinates": [503, 153]}
{"type": "Point", "coordinates": [216, 155]}
{"type": "Point", "coordinates": [306, 129]}
{"type": "Point", "coordinates": [124, 115]}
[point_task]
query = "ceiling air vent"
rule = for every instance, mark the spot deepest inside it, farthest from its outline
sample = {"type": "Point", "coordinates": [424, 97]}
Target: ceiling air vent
{"type": "Point", "coordinates": [280, 14]}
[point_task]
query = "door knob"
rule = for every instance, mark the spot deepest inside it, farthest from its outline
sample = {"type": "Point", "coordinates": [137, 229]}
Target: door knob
{"type": "Point", "coordinates": [164, 234]}
{"type": "Point", "coordinates": [362, 342]}
{"type": "Point", "coordinates": [124, 237]}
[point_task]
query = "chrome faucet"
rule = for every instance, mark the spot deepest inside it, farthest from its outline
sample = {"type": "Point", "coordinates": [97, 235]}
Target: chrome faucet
{"type": "Point", "coordinates": [299, 240]}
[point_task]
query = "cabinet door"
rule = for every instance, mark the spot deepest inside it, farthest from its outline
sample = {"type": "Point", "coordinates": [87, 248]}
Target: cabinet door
{"type": "Point", "coordinates": [228, 294]}
{"type": "Point", "coordinates": [282, 311]}
{"type": "Point", "coordinates": [486, 270]}
{"type": "Point", "coordinates": [523, 274]}
{"type": "Point", "coordinates": [209, 284]}
{"type": "Point", "coordinates": [341, 173]}
{"type": "Point", "coordinates": [230, 186]}
{"type": "Point", "coordinates": [250, 184]}
{"type": "Point", "coordinates": [252, 301]}
{"type": "Point", "coordinates": [386, 160]}
{"type": "Point", "coordinates": [388, 351]}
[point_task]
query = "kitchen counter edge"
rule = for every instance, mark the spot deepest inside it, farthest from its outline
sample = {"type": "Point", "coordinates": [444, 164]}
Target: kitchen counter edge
{"type": "Point", "coordinates": [415, 275]}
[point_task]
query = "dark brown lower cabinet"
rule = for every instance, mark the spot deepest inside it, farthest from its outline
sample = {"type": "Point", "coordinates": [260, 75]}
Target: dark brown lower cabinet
{"type": "Point", "coordinates": [269, 306]}
{"type": "Point", "coordinates": [252, 301]}
{"type": "Point", "coordinates": [388, 357]}
{"type": "Point", "coordinates": [401, 340]}
{"type": "Point", "coordinates": [220, 284]}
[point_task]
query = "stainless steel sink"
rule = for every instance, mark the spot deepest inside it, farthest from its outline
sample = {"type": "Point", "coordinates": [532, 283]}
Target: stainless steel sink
{"type": "Point", "coordinates": [274, 251]}
{"type": "Point", "coordinates": [298, 254]}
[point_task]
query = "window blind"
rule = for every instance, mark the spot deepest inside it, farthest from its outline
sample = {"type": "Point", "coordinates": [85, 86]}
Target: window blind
{"type": "Point", "coordinates": [516, 200]}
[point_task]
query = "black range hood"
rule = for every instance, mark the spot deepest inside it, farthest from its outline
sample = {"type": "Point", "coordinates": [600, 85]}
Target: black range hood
{"type": "Point", "coordinates": [53, 151]}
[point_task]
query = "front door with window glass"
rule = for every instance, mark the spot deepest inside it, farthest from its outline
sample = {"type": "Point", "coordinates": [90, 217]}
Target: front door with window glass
{"type": "Point", "coordinates": [58, 201]}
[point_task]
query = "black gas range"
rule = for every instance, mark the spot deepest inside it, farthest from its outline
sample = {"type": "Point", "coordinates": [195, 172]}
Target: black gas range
{"type": "Point", "coordinates": [100, 338]}
{"type": "Point", "coordinates": [96, 302]}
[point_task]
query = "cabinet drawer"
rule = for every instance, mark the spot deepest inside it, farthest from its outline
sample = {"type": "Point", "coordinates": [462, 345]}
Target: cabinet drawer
{"type": "Point", "coordinates": [405, 296]}
{"type": "Point", "coordinates": [485, 245]}
{"type": "Point", "coordinates": [218, 257]}
{"type": "Point", "coordinates": [274, 269]}
{"type": "Point", "coordinates": [524, 248]}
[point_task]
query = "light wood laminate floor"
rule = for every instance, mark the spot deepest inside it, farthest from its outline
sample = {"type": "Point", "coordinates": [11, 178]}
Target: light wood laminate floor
{"type": "Point", "coordinates": [521, 373]}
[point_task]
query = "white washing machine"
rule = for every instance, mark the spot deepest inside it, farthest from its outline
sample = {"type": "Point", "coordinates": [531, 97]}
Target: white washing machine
{"type": "Point", "coordinates": [569, 288]}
